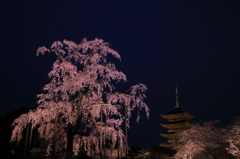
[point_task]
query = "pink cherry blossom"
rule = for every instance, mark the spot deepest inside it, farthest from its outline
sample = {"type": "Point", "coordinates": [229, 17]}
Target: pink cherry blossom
{"type": "Point", "coordinates": [81, 88]}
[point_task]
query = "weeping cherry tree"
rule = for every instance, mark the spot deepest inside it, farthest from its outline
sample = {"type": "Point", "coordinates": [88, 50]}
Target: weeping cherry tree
{"type": "Point", "coordinates": [81, 95]}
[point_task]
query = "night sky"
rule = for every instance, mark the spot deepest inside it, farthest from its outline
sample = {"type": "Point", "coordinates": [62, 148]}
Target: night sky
{"type": "Point", "coordinates": [164, 44]}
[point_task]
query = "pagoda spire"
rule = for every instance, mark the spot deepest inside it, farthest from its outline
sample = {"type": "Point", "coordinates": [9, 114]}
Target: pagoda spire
{"type": "Point", "coordinates": [177, 105]}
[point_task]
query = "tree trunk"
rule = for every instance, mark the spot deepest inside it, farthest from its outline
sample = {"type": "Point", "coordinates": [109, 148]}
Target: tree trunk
{"type": "Point", "coordinates": [69, 138]}
{"type": "Point", "coordinates": [68, 152]}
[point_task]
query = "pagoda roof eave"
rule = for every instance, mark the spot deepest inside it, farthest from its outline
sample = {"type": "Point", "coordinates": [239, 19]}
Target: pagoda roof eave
{"type": "Point", "coordinates": [168, 135]}
{"type": "Point", "coordinates": [183, 115]}
{"type": "Point", "coordinates": [175, 110]}
{"type": "Point", "coordinates": [166, 144]}
{"type": "Point", "coordinates": [176, 122]}
{"type": "Point", "coordinates": [182, 125]}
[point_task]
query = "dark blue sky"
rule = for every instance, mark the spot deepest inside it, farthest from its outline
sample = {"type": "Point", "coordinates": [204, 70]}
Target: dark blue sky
{"type": "Point", "coordinates": [163, 44]}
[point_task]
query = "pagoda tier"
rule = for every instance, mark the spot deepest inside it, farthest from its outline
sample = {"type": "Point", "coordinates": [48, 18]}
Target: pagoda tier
{"type": "Point", "coordinates": [168, 134]}
{"type": "Point", "coordinates": [172, 140]}
{"type": "Point", "coordinates": [176, 114]}
{"type": "Point", "coordinates": [177, 121]}
{"type": "Point", "coordinates": [174, 130]}
{"type": "Point", "coordinates": [166, 144]}
{"type": "Point", "coordinates": [181, 124]}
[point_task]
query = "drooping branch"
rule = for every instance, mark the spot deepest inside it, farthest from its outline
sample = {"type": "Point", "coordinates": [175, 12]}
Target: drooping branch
{"type": "Point", "coordinates": [81, 77]}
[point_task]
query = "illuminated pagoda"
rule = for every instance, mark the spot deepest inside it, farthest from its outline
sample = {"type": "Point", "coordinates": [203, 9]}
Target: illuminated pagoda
{"type": "Point", "coordinates": [177, 121]}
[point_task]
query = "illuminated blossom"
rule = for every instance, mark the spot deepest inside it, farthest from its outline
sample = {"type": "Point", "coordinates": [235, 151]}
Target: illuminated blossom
{"type": "Point", "coordinates": [234, 139]}
{"type": "Point", "coordinates": [200, 138]}
{"type": "Point", "coordinates": [81, 88]}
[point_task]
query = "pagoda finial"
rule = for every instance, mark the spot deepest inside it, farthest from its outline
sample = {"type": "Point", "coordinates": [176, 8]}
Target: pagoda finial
{"type": "Point", "coordinates": [177, 105]}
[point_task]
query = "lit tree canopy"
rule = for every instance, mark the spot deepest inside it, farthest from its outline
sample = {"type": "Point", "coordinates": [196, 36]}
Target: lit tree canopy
{"type": "Point", "coordinates": [81, 88]}
{"type": "Point", "coordinates": [201, 138]}
{"type": "Point", "coordinates": [234, 138]}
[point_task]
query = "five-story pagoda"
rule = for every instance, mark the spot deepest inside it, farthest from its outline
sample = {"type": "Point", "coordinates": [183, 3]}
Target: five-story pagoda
{"type": "Point", "coordinates": [177, 121]}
